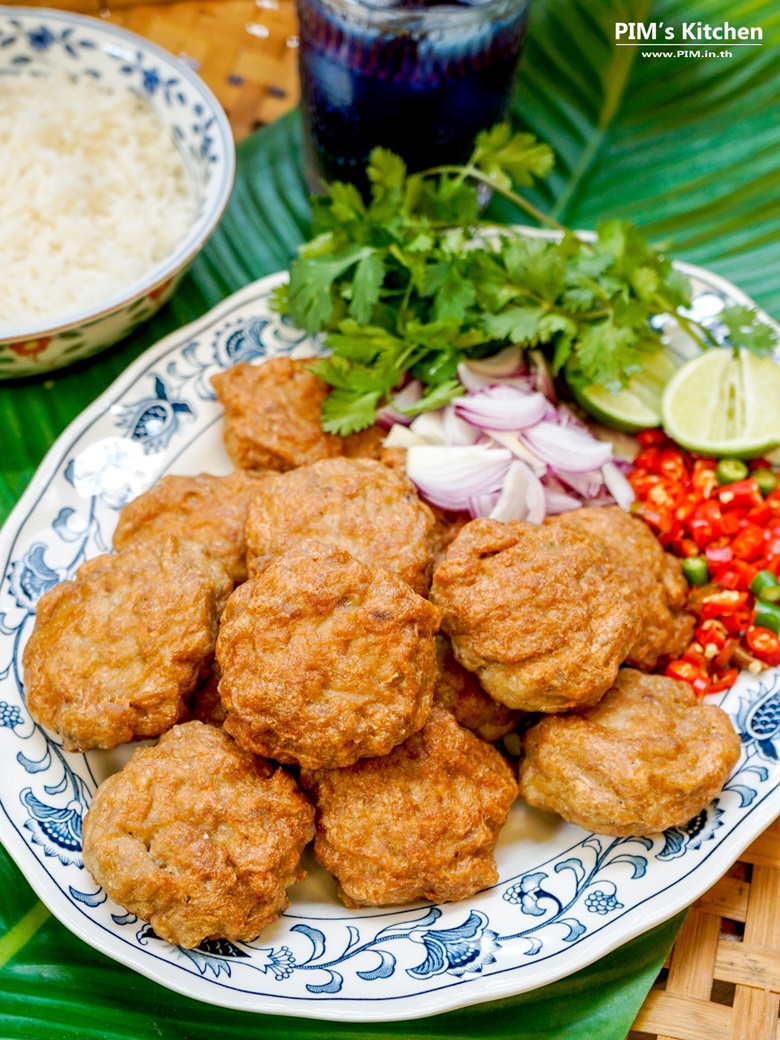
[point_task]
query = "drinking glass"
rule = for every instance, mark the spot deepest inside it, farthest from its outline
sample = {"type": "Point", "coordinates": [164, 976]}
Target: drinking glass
{"type": "Point", "coordinates": [421, 79]}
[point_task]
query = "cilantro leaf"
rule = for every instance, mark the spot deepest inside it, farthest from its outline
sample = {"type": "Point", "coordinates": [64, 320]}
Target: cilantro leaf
{"type": "Point", "coordinates": [746, 330]}
{"type": "Point", "coordinates": [517, 324]}
{"type": "Point", "coordinates": [346, 411]}
{"type": "Point", "coordinates": [369, 276]}
{"type": "Point", "coordinates": [385, 170]}
{"type": "Point", "coordinates": [608, 354]}
{"type": "Point", "coordinates": [309, 296]}
{"type": "Point", "coordinates": [408, 280]}
{"type": "Point", "coordinates": [504, 156]}
{"type": "Point", "coordinates": [437, 397]}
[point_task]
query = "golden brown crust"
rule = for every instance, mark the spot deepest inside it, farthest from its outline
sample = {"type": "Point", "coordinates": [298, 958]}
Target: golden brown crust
{"type": "Point", "coordinates": [365, 444]}
{"type": "Point", "coordinates": [419, 823]}
{"type": "Point", "coordinates": [116, 652]}
{"type": "Point", "coordinates": [198, 837]}
{"type": "Point", "coordinates": [357, 504]}
{"type": "Point", "coordinates": [206, 509]}
{"type": "Point", "coordinates": [648, 756]}
{"type": "Point", "coordinates": [205, 704]}
{"type": "Point", "coordinates": [655, 576]}
{"type": "Point", "coordinates": [325, 660]}
{"type": "Point", "coordinates": [273, 415]}
{"type": "Point", "coordinates": [459, 692]}
{"type": "Point", "coordinates": [537, 612]}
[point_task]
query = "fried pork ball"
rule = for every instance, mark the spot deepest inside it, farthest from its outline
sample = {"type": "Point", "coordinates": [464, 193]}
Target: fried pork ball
{"type": "Point", "coordinates": [198, 837]}
{"type": "Point", "coordinates": [419, 823]}
{"type": "Point", "coordinates": [115, 653]}
{"type": "Point", "coordinates": [357, 504]}
{"type": "Point", "coordinates": [206, 509]}
{"type": "Point", "coordinates": [324, 660]}
{"type": "Point", "coordinates": [648, 756]}
{"type": "Point", "coordinates": [537, 612]}
{"type": "Point", "coordinates": [655, 576]}
{"type": "Point", "coordinates": [459, 692]}
{"type": "Point", "coordinates": [273, 415]}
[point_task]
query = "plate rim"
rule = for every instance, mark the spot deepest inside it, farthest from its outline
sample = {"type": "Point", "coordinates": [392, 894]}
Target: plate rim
{"type": "Point", "coordinates": [500, 985]}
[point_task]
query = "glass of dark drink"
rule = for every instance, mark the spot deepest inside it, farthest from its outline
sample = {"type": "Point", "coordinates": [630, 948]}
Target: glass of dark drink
{"type": "Point", "coordinates": [420, 78]}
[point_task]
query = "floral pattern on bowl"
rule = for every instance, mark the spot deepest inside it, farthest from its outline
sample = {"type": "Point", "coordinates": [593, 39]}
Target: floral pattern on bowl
{"type": "Point", "coordinates": [35, 40]}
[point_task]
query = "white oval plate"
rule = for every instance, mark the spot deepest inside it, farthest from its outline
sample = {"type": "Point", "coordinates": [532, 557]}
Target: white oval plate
{"type": "Point", "coordinates": [564, 897]}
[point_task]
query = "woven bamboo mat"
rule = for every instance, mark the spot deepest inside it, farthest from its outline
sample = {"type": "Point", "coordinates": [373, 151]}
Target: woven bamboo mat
{"type": "Point", "coordinates": [246, 50]}
{"type": "Point", "coordinates": [722, 979]}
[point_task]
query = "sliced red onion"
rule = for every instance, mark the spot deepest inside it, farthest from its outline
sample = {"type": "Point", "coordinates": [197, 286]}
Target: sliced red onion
{"type": "Point", "coordinates": [393, 412]}
{"type": "Point", "coordinates": [566, 447]}
{"type": "Point", "coordinates": [430, 426]}
{"type": "Point", "coordinates": [617, 485]}
{"type": "Point", "coordinates": [522, 496]}
{"type": "Point", "coordinates": [475, 381]}
{"type": "Point", "coordinates": [451, 476]}
{"type": "Point", "coordinates": [506, 362]}
{"type": "Point", "coordinates": [457, 430]}
{"type": "Point", "coordinates": [401, 437]}
{"type": "Point", "coordinates": [587, 485]}
{"type": "Point", "coordinates": [512, 442]}
{"type": "Point", "coordinates": [502, 408]}
{"type": "Point", "coordinates": [483, 505]}
{"type": "Point", "coordinates": [542, 375]}
{"type": "Point", "coordinates": [566, 417]}
{"type": "Point", "coordinates": [560, 502]}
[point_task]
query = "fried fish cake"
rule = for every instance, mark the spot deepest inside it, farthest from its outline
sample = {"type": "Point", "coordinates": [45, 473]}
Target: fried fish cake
{"type": "Point", "coordinates": [655, 576]}
{"type": "Point", "coordinates": [459, 692]}
{"type": "Point", "coordinates": [357, 504]}
{"type": "Point", "coordinates": [198, 837]}
{"type": "Point", "coordinates": [273, 415]}
{"type": "Point", "coordinates": [538, 612]}
{"type": "Point", "coordinates": [206, 509]}
{"type": "Point", "coordinates": [648, 756]}
{"type": "Point", "coordinates": [419, 823]}
{"type": "Point", "coordinates": [205, 704]}
{"type": "Point", "coordinates": [115, 653]}
{"type": "Point", "coordinates": [324, 660]}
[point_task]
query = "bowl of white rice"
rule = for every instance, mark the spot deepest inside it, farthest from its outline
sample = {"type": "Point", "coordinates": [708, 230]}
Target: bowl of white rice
{"type": "Point", "coordinates": [116, 164]}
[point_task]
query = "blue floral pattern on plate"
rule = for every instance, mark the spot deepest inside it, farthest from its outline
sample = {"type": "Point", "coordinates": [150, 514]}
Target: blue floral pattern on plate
{"type": "Point", "coordinates": [564, 897]}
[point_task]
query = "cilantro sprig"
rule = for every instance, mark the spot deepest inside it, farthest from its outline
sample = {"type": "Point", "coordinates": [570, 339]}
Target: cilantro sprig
{"type": "Point", "coordinates": [412, 280]}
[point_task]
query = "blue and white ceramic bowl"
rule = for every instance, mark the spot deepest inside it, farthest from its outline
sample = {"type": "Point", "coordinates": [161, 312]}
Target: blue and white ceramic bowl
{"type": "Point", "coordinates": [38, 40]}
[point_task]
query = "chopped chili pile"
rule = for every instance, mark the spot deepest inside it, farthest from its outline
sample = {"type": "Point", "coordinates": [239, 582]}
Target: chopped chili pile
{"type": "Point", "coordinates": [723, 519]}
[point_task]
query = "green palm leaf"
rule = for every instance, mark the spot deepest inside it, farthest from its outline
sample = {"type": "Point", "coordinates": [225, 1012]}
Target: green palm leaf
{"type": "Point", "coordinates": [689, 148]}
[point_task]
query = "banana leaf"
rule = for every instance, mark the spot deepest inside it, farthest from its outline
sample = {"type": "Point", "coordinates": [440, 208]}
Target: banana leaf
{"type": "Point", "coordinates": [687, 148]}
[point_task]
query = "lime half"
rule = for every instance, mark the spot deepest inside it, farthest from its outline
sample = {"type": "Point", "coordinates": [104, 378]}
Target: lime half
{"type": "Point", "coordinates": [719, 404]}
{"type": "Point", "coordinates": [638, 405]}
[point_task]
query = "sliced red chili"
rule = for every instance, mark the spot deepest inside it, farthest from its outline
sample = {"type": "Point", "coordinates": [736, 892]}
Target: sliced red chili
{"type": "Point", "coordinates": [764, 644]}
{"type": "Point", "coordinates": [740, 494]}
{"type": "Point", "coordinates": [671, 462]}
{"type": "Point", "coordinates": [723, 681]}
{"type": "Point", "coordinates": [648, 437]}
{"type": "Point", "coordinates": [716, 555]}
{"type": "Point", "coordinates": [722, 603]}
{"type": "Point", "coordinates": [749, 543]}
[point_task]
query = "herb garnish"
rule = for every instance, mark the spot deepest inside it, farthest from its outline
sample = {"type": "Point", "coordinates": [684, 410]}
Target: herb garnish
{"type": "Point", "coordinates": [414, 281]}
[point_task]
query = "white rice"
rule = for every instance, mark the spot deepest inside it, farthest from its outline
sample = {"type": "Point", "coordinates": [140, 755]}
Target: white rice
{"type": "Point", "coordinates": [93, 194]}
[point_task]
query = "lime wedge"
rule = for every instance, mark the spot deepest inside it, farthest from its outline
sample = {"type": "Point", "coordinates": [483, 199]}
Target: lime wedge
{"type": "Point", "coordinates": [719, 404]}
{"type": "Point", "coordinates": [638, 405]}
